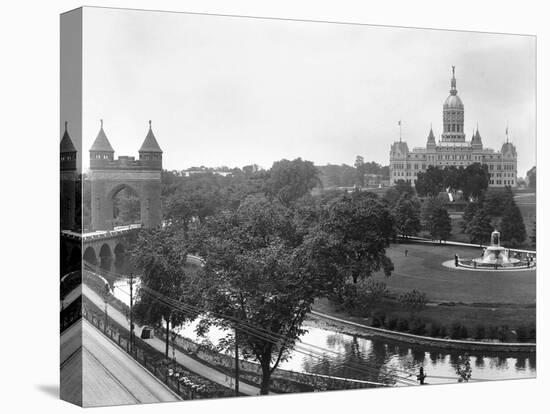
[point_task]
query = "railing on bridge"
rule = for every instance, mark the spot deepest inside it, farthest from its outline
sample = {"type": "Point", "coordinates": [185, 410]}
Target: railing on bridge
{"type": "Point", "coordinates": [102, 234]}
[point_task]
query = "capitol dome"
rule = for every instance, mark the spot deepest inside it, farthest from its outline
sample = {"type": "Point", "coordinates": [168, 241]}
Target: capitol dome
{"type": "Point", "coordinates": [453, 101]}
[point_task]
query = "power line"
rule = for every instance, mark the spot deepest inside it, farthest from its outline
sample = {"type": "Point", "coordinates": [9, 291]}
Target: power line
{"type": "Point", "coordinates": [267, 335]}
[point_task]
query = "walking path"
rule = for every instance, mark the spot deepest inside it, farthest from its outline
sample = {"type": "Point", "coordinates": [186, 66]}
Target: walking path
{"type": "Point", "coordinates": [455, 243]}
{"type": "Point", "coordinates": [188, 362]}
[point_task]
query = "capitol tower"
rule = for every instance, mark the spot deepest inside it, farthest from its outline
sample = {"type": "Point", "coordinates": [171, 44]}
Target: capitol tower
{"type": "Point", "coordinates": [453, 149]}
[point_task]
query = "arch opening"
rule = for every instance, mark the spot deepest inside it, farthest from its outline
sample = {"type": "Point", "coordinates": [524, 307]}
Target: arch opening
{"type": "Point", "coordinates": [105, 257]}
{"type": "Point", "coordinates": [90, 256]}
{"type": "Point", "coordinates": [126, 206]}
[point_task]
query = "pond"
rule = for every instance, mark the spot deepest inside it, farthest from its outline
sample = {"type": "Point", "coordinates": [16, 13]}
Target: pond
{"type": "Point", "coordinates": [328, 352]}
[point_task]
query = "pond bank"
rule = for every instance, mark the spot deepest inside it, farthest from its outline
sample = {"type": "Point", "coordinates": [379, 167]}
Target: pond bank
{"type": "Point", "coordinates": [322, 320]}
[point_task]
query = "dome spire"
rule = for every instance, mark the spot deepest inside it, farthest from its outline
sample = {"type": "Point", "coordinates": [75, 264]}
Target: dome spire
{"type": "Point", "coordinates": [453, 83]}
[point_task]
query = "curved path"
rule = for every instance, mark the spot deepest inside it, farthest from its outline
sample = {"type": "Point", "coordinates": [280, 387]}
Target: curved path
{"type": "Point", "coordinates": [451, 265]}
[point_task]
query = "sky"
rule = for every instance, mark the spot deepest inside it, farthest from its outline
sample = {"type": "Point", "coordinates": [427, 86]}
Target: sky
{"type": "Point", "coordinates": [236, 91]}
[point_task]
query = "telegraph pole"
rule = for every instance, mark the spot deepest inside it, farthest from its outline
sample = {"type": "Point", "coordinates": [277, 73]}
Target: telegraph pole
{"type": "Point", "coordinates": [236, 364]}
{"type": "Point", "coordinates": [106, 294]}
{"type": "Point", "coordinates": [131, 308]}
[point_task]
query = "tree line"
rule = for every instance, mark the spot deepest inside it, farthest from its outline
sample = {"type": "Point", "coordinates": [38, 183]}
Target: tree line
{"type": "Point", "coordinates": [270, 248]}
{"type": "Point", "coordinates": [473, 180]}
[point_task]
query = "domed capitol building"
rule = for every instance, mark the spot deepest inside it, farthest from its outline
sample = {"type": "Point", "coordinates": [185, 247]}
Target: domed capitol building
{"type": "Point", "coordinates": [453, 149]}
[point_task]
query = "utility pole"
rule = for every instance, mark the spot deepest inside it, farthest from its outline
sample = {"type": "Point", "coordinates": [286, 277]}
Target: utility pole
{"type": "Point", "coordinates": [131, 313]}
{"type": "Point", "coordinates": [236, 364]}
{"type": "Point", "coordinates": [106, 295]}
{"type": "Point", "coordinates": [421, 376]}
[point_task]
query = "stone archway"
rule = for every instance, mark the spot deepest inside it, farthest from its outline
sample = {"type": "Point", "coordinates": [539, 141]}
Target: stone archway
{"type": "Point", "coordinates": [127, 205]}
{"type": "Point", "coordinates": [105, 257]}
{"type": "Point", "coordinates": [90, 256]}
{"type": "Point", "coordinates": [106, 184]}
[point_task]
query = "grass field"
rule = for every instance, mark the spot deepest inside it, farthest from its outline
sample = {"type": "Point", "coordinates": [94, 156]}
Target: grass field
{"type": "Point", "coordinates": [527, 205]}
{"type": "Point", "coordinates": [422, 269]}
{"type": "Point", "coordinates": [502, 300]}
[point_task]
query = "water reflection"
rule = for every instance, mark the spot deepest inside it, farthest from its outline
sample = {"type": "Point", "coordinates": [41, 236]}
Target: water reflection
{"type": "Point", "coordinates": [379, 360]}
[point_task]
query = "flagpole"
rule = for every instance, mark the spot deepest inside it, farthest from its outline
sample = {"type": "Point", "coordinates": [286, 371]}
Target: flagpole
{"type": "Point", "coordinates": [399, 130]}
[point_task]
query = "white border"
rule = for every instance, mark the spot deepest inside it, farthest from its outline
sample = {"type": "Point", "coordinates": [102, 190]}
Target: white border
{"type": "Point", "coordinates": [30, 134]}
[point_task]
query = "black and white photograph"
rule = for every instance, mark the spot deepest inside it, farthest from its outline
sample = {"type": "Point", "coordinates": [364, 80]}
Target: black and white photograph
{"type": "Point", "coordinates": [256, 206]}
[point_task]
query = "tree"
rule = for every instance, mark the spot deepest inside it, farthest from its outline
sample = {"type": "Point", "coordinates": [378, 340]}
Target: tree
{"type": "Point", "coordinates": [356, 228]}
{"type": "Point", "coordinates": [435, 219]}
{"type": "Point", "coordinates": [512, 227]}
{"type": "Point", "coordinates": [532, 177]}
{"type": "Point", "coordinates": [474, 180]}
{"type": "Point", "coordinates": [337, 175]}
{"type": "Point", "coordinates": [430, 182]}
{"type": "Point", "coordinates": [463, 368]}
{"type": "Point", "coordinates": [479, 228]}
{"type": "Point", "coordinates": [414, 300]}
{"type": "Point", "coordinates": [160, 255]}
{"type": "Point", "coordinates": [534, 234]}
{"type": "Point", "coordinates": [372, 291]}
{"type": "Point", "coordinates": [401, 189]}
{"type": "Point", "coordinates": [258, 277]}
{"type": "Point", "coordinates": [469, 213]}
{"type": "Point", "coordinates": [290, 180]}
{"type": "Point", "coordinates": [360, 170]}
{"type": "Point", "coordinates": [407, 217]}
{"type": "Point", "coordinates": [440, 228]}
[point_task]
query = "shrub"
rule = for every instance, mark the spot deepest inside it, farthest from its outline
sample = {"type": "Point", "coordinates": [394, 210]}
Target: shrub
{"type": "Point", "coordinates": [443, 331]}
{"type": "Point", "coordinates": [402, 325]}
{"type": "Point", "coordinates": [414, 300]}
{"type": "Point", "coordinates": [532, 333]}
{"type": "Point", "coordinates": [418, 327]}
{"type": "Point", "coordinates": [503, 333]}
{"type": "Point", "coordinates": [522, 334]}
{"type": "Point", "coordinates": [480, 332]}
{"type": "Point", "coordinates": [392, 323]}
{"type": "Point", "coordinates": [493, 332]}
{"type": "Point", "coordinates": [458, 331]}
{"type": "Point", "coordinates": [378, 319]}
{"type": "Point", "coordinates": [435, 329]}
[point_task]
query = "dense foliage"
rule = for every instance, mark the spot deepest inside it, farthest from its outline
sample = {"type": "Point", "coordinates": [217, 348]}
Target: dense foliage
{"type": "Point", "coordinates": [472, 180]}
{"type": "Point", "coordinates": [495, 209]}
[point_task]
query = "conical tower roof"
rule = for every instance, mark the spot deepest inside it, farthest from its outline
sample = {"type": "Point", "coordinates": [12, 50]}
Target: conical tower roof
{"type": "Point", "coordinates": [101, 143]}
{"type": "Point", "coordinates": [66, 144]}
{"type": "Point", "coordinates": [478, 136]}
{"type": "Point", "coordinates": [150, 143]}
{"type": "Point", "coordinates": [431, 136]}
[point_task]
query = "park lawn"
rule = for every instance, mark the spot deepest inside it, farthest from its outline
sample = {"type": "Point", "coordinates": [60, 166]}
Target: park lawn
{"type": "Point", "coordinates": [528, 208]}
{"type": "Point", "coordinates": [422, 270]}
